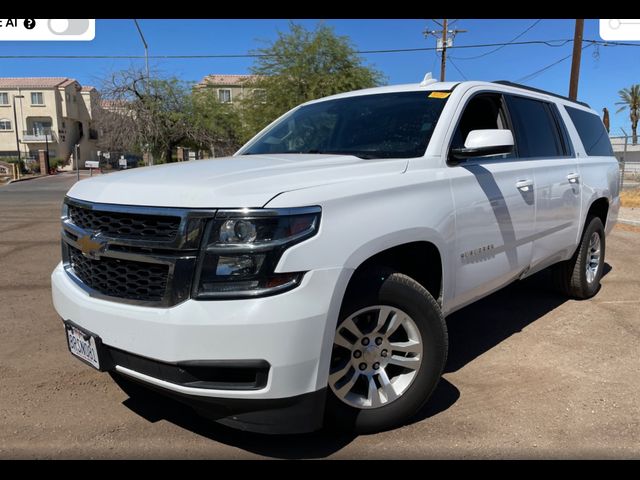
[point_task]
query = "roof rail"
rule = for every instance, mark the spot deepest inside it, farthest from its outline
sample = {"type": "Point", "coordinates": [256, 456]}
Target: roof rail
{"type": "Point", "coordinates": [538, 90]}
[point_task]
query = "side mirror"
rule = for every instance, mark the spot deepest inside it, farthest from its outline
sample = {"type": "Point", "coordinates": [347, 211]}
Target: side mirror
{"type": "Point", "coordinates": [481, 143]}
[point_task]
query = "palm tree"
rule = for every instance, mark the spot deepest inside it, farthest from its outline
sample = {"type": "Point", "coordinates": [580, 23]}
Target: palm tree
{"type": "Point", "coordinates": [631, 99]}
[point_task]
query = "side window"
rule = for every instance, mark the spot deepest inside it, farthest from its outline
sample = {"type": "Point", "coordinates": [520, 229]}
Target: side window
{"type": "Point", "coordinates": [592, 133]}
{"type": "Point", "coordinates": [536, 132]}
{"type": "Point", "coordinates": [484, 111]}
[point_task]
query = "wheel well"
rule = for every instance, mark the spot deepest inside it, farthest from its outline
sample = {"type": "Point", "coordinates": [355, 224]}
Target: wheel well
{"type": "Point", "coordinates": [418, 260]}
{"type": "Point", "coordinates": [600, 209]}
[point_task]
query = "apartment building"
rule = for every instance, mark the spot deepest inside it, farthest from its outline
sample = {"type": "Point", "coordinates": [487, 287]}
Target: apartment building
{"type": "Point", "coordinates": [231, 88]}
{"type": "Point", "coordinates": [54, 113]}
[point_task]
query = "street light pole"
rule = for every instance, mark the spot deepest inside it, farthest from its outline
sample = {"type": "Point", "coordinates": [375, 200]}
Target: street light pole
{"type": "Point", "coordinates": [46, 142]}
{"type": "Point", "coordinates": [146, 61]}
{"type": "Point", "coordinates": [146, 51]}
{"type": "Point", "coordinates": [15, 126]}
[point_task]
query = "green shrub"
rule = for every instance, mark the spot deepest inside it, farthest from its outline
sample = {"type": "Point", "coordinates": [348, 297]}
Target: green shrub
{"type": "Point", "coordinates": [15, 161]}
{"type": "Point", "coordinates": [54, 163]}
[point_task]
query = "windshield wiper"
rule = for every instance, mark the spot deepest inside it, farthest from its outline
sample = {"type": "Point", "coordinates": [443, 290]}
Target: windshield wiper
{"type": "Point", "coordinates": [355, 153]}
{"type": "Point", "coordinates": [362, 155]}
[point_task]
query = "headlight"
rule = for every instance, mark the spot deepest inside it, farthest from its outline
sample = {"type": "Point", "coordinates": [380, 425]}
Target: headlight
{"type": "Point", "coordinates": [242, 249]}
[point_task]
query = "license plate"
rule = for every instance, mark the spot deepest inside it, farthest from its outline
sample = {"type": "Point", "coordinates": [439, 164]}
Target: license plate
{"type": "Point", "coordinates": [83, 345]}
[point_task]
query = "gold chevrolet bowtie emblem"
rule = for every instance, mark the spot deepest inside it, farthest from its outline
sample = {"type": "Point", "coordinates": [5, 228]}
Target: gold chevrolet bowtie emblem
{"type": "Point", "coordinates": [91, 246]}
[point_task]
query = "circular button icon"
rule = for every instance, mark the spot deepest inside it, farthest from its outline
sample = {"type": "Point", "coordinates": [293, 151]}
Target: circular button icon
{"type": "Point", "coordinates": [29, 23]}
{"type": "Point", "coordinates": [59, 25]}
{"type": "Point", "coordinates": [68, 26]}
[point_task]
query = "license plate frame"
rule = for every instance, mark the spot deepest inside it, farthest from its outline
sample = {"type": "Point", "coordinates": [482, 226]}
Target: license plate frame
{"type": "Point", "coordinates": [100, 362]}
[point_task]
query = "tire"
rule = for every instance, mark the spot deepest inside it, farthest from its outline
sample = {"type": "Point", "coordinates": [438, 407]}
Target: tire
{"type": "Point", "coordinates": [571, 277]}
{"type": "Point", "coordinates": [393, 294]}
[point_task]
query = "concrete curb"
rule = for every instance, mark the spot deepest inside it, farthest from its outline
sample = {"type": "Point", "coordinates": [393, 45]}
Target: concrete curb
{"type": "Point", "coordinates": [26, 179]}
{"type": "Point", "coordinates": [634, 223]}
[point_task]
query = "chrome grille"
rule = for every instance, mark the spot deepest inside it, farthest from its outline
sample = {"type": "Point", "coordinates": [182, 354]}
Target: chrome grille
{"type": "Point", "coordinates": [130, 254]}
{"type": "Point", "coordinates": [121, 278]}
{"type": "Point", "coordinates": [125, 225]}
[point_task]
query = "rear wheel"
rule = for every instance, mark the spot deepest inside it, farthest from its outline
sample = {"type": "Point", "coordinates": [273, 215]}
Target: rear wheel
{"type": "Point", "coordinates": [579, 277]}
{"type": "Point", "coordinates": [389, 350]}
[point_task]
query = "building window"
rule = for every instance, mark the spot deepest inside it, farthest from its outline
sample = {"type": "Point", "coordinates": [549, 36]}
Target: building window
{"type": "Point", "coordinates": [4, 98]}
{"type": "Point", "coordinates": [37, 98]}
{"type": "Point", "coordinates": [260, 94]}
{"type": "Point", "coordinates": [224, 95]}
{"type": "Point", "coordinates": [5, 125]}
{"type": "Point", "coordinates": [67, 97]}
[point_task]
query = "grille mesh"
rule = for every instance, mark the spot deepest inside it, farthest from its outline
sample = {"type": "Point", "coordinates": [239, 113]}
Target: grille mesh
{"type": "Point", "coordinates": [130, 226]}
{"type": "Point", "coordinates": [121, 278]}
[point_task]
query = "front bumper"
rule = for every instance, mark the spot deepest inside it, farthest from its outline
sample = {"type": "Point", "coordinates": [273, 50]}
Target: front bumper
{"type": "Point", "coordinates": [292, 332]}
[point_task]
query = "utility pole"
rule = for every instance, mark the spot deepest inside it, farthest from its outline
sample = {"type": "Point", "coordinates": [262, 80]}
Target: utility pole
{"type": "Point", "coordinates": [444, 40]}
{"type": "Point", "coordinates": [443, 62]}
{"type": "Point", "coordinates": [575, 63]}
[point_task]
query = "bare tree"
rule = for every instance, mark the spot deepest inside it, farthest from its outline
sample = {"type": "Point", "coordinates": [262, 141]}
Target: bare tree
{"type": "Point", "coordinates": [144, 115]}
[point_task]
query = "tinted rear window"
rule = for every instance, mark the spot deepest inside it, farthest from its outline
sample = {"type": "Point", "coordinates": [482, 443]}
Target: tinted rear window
{"type": "Point", "coordinates": [535, 128]}
{"type": "Point", "coordinates": [592, 132]}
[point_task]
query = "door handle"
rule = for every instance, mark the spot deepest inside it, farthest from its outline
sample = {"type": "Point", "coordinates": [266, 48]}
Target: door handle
{"type": "Point", "coordinates": [573, 177]}
{"type": "Point", "coordinates": [524, 185]}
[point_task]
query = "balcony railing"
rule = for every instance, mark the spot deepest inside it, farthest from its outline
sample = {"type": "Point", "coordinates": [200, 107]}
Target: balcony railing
{"type": "Point", "coordinates": [40, 136]}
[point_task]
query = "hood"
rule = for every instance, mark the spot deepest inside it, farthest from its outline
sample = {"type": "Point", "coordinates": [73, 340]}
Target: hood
{"type": "Point", "coordinates": [228, 182]}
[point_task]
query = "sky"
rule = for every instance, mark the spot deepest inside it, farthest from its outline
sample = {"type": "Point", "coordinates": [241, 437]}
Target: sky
{"type": "Point", "coordinates": [604, 69]}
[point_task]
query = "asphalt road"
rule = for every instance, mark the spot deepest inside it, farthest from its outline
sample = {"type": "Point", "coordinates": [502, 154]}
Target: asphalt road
{"type": "Point", "coordinates": [530, 374]}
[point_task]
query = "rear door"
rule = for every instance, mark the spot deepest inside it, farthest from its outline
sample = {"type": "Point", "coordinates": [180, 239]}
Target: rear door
{"type": "Point", "coordinates": [542, 137]}
{"type": "Point", "coordinates": [494, 206]}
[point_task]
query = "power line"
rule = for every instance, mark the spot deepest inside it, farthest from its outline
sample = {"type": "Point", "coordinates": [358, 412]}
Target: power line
{"type": "Point", "coordinates": [456, 67]}
{"type": "Point", "coordinates": [502, 46]}
{"type": "Point", "coordinates": [532, 75]}
{"type": "Point", "coordinates": [549, 43]}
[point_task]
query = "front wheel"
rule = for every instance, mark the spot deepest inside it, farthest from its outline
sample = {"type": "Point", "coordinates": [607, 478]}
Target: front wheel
{"type": "Point", "coordinates": [389, 351]}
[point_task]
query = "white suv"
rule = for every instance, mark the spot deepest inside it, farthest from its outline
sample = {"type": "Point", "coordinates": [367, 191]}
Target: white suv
{"type": "Point", "coordinates": [306, 279]}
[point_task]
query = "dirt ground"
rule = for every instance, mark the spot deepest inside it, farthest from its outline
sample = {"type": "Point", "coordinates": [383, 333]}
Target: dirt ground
{"type": "Point", "coordinates": [530, 374]}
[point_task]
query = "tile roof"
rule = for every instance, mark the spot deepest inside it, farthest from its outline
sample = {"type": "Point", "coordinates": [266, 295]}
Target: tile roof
{"type": "Point", "coordinates": [216, 79]}
{"type": "Point", "coordinates": [88, 88]}
{"type": "Point", "coordinates": [34, 82]}
{"type": "Point", "coordinates": [67, 82]}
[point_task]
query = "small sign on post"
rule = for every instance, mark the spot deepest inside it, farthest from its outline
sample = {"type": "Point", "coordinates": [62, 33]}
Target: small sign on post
{"type": "Point", "coordinates": [122, 162]}
{"type": "Point", "coordinates": [91, 164]}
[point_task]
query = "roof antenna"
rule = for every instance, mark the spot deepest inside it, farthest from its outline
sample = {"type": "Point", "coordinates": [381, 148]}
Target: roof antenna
{"type": "Point", "coordinates": [428, 80]}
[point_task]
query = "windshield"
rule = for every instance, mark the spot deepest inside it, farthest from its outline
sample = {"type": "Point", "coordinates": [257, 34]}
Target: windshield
{"type": "Point", "coordinates": [387, 125]}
